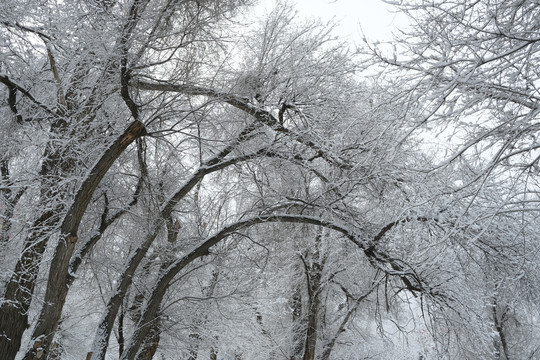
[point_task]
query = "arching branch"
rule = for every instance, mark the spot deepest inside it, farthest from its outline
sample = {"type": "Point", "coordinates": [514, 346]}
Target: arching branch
{"type": "Point", "coordinates": [377, 258]}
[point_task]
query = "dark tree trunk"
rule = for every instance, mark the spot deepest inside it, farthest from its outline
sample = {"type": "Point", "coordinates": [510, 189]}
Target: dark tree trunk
{"type": "Point", "coordinates": [313, 313]}
{"type": "Point", "coordinates": [20, 289]}
{"type": "Point", "coordinates": [151, 342]}
{"type": "Point", "coordinates": [298, 323]}
{"type": "Point", "coordinates": [313, 273]}
{"type": "Point", "coordinates": [57, 289]}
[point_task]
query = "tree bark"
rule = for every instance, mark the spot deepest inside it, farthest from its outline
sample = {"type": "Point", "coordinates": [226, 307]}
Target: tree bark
{"type": "Point", "coordinates": [313, 273]}
{"type": "Point", "coordinates": [56, 292]}
{"type": "Point", "coordinates": [20, 288]}
{"type": "Point", "coordinates": [312, 324]}
{"type": "Point", "coordinates": [151, 342]}
{"type": "Point", "coordinates": [216, 163]}
{"type": "Point", "coordinates": [499, 327]}
{"type": "Point", "coordinates": [297, 320]}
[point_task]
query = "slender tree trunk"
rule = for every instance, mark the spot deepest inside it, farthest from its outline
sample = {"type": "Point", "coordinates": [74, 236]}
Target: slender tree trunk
{"type": "Point", "coordinates": [499, 327]}
{"type": "Point", "coordinates": [104, 329]}
{"type": "Point", "coordinates": [202, 319]}
{"type": "Point", "coordinates": [313, 273]}
{"type": "Point", "coordinates": [298, 323]}
{"type": "Point", "coordinates": [313, 314]}
{"type": "Point", "coordinates": [121, 339]}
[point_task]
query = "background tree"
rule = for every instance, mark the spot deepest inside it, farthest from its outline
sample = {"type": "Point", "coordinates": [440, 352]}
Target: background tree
{"type": "Point", "coordinates": [466, 72]}
{"type": "Point", "coordinates": [471, 64]}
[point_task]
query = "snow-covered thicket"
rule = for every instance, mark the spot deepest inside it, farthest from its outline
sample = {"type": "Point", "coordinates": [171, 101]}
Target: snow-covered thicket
{"type": "Point", "coordinates": [177, 184]}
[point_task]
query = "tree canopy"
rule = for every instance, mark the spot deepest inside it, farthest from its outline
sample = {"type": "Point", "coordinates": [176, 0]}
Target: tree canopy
{"type": "Point", "coordinates": [182, 180]}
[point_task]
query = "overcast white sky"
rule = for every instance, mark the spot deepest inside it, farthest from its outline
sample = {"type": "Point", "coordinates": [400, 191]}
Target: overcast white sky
{"type": "Point", "coordinates": [373, 16]}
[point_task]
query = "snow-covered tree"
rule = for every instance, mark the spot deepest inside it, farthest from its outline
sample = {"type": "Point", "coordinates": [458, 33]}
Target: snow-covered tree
{"type": "Point", "coordinates": [466, 76]}
{"type": "Point", "coordinates": [176, 181]}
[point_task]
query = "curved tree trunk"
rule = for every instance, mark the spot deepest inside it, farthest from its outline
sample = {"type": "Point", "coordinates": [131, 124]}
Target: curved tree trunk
{"type": "Point", "coordinates": [151, 342]}
{"type": "Point", "coordinates": [57, 290]}
{"type": "Point", "coordinates": [214, 164]}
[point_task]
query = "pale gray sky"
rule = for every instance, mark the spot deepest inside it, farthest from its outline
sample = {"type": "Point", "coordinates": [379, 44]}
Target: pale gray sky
{"type": "Point", "coordinates": [376, 19]}
{"type": "Point", "coordinates": [373, 16]}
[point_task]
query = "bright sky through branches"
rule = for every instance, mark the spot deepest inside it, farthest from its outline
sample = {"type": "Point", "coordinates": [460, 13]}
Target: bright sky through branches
{"type": "Point", "coordinates": [372, 17]}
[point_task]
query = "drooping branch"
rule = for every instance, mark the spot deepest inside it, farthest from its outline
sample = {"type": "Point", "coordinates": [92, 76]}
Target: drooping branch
{"type": "Point", "coordinates": [376, 257]}
{"type": "Point", "coordinates": [262, 115]}
{"type": "Point", "coordinates": [214, 164]}
{"type": "Point", "coordinates": [47, 40]}
{"type": "Point", "coordinates": [392, 224]}
{"type": "Point", "coordinates": [13, 87]}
